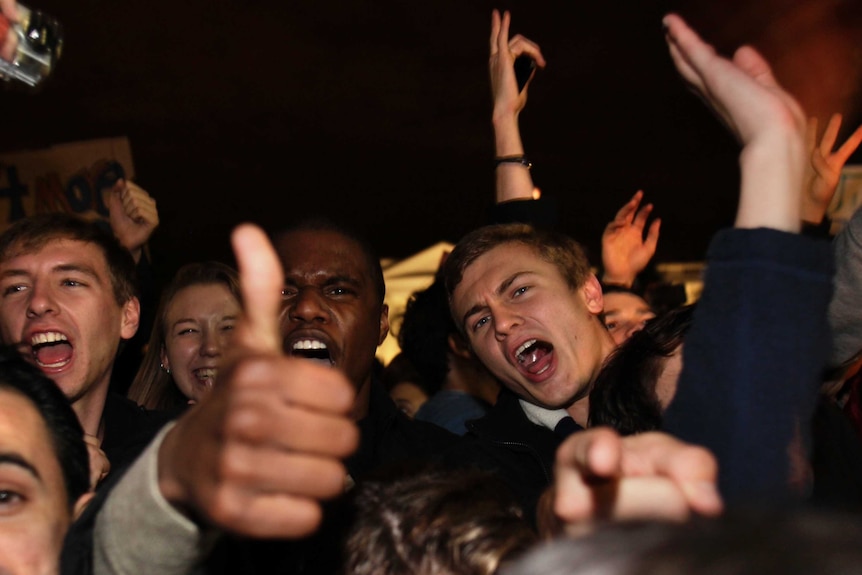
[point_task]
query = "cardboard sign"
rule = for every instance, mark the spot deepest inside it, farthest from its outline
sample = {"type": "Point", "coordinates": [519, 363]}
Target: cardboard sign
{"type": "Point", "coordinates": [62, 178]}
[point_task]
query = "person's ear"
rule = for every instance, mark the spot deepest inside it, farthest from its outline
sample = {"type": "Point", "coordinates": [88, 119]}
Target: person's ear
{"type": "Point", "coordinates": [459, 347]}
{"type": "Point", "coordinates": [384, 323]}
{"type": "Point", "coordinates": [81, 504]}
{"type": "Point", "coordinates": [163, 358]}
{"type": "Point", "coordinates": [593, 297]}
{"type": "Point", "coordinates": [131, 318]}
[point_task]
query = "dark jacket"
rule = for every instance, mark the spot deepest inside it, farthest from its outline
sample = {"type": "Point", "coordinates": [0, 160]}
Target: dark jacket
{"type": "Point", "coordinates": [753, 357]}
{"type": "Point", "coordinates": [129, 428]}
{"type": "Point", "coordinates": [505, 442]}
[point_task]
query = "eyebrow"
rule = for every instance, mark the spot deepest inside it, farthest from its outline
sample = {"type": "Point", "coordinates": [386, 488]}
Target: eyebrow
{"type": "Point", "coordinates": [504, 285]}
{"type": "Point", "coordinates": [330, 281]}
{"type": "Point", "coordinates": [11, 458]}
{"type": "Point", "coordinates": [87, 270]}
{"type": "Point", "coordinates": [343, 279]}
{"type": "Point", "coordinates": [193, 320]}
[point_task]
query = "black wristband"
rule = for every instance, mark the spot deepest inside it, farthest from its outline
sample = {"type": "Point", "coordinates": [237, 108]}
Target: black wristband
{"type": "Point", "coordinates": [522, 160]}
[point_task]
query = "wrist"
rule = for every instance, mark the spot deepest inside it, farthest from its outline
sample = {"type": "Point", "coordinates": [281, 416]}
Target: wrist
{"type": "Point", "coordinates": [772, 173]}
{"type": "Point", "coordinates": [618, 280]}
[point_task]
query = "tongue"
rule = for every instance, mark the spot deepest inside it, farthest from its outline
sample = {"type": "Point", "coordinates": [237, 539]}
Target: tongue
{"type": "Point", "coordinates": [531, 357]}
{"type": "Point", "coordinates": [317, 356]}
{"type": "Point", "coordinates": [321, 360]}
{"type": "Point", "coordinates": [54, 353]}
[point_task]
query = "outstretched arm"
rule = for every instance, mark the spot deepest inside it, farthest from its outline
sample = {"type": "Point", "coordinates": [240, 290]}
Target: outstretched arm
{"type": "Point", "coordinates": [601, 476]}
{"type": "Point", "coordinates": [513, 179]}
{"type": "Point", "coordinates": [255, 458]}
{"type": "Point", "coordinates": [625, 251]}
{"type": "Point", "coordinates": [824, 170]}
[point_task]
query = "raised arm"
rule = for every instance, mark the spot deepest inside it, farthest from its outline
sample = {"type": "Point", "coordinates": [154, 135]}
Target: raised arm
{"type": "Point", "coordinates": [752, 358]}
{"type": "Point", "coordinates": [513, 178]}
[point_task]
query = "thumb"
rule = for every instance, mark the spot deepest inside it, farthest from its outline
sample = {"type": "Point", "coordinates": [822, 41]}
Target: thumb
{"type": "Point", "coordinates": [260, 280]}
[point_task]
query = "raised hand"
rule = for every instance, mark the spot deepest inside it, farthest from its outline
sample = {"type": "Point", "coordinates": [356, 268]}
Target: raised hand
{"type": "Point", "coordinates": [824, 170]}
{"type": "Point", "coordinates": [504, 50]}
{"type": "Point", "coordinates": [259, 453]}
{"type": "Point", "coordinates": [625, 251]}
{"type": "Point", "coordinates": [513, 180]}
{"type": "Point", "coordinates": [133, 215]}
{"type": "Point", "coordinates": [600, 476]}
{"type": "Point", "coordinates": [768, 122]}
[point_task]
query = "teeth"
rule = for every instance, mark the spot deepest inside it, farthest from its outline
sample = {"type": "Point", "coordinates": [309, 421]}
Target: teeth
{"type": "Point", "coordinates": [52, 365]}
{"type": "Point", "coordinates": [309, 344]}
{"type": "Point", "coordinates": [206, 373]}
{"type": "Point", "coordinates": [47, 337]}
{"type": "Point", "coordinates": [524, 346]}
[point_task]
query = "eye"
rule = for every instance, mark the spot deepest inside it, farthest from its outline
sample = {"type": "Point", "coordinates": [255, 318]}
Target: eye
{"type": "Point", "coordinates": [187, 331]}
{"type": "Point", "coordinates": [12, 289]}
{"type": "Point", "coordinates": [288, 292]}
{"type": "Point", "coordinates": [520, 291]}
{"type": "Point", "coordinates": [9, 497]}
{"type": "Point", "coordinates": [481, 322]}
{"type": "Point", "coordinates": [69, 282]}
{"type": "Point", "coordinates": [340, 291]}
{"type": "Point", "coordinates": [611, 325]}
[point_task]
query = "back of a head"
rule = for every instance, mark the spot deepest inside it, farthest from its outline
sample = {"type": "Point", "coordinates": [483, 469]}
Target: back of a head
{"type": "Point", "coordinates": [434, 523]}
{"type": "Point", "coordinates": [424, 334]}
{"type": "Point", "coordinates": [64, 429]}
{"type": "Point", "coordinates": [32, 234]}
{"type": "Point", "coordinates": [786, 542]}
{"type": "Point", "coordinates": [624, 394]}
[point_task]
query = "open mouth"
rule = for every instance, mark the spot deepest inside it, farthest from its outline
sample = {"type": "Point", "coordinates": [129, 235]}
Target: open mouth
{"type": "Point", "coordinates": [51, 349]}
{"type": "Point", "coordinates": [206, 375]}
{"type": "Point", "coordinates": [312, 349]}
{"type": "Point", "coordinates": [530, 356]}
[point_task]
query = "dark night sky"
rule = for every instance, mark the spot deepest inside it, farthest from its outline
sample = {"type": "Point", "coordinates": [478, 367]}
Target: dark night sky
{"type": "Point", "coordinates": [379, 111]}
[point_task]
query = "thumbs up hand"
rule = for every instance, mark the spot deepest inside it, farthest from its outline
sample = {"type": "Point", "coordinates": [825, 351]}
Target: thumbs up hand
{"type": "Point", "coordinates": [259, 453]}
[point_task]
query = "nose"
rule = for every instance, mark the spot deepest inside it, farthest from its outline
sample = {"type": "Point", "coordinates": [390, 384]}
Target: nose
{"type": "Point", "coordinates": [41, 301]}
{"type": "Point", "coordinates": [307, 305]}
{"type": "Point", "coordinates": [212, 343]}
{"type": "Point", "coordinates": [505, 321]}
{"type": "Point", "coordinates": [633, 327]}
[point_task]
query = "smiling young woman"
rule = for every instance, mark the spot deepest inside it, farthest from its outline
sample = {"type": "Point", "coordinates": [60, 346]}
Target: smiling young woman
{"type": "Point", "coordinates": [193, 325]}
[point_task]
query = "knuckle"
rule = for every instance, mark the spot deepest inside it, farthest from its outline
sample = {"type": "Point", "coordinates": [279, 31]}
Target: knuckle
{"type": "Point", "coordinates": [224, 506]}
{"type": "Point", "coordinates": [243, 423]}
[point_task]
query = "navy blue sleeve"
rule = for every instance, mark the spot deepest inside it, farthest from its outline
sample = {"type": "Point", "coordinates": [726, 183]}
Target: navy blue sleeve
{"type": "Point", "coordinates": [752, 359]}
